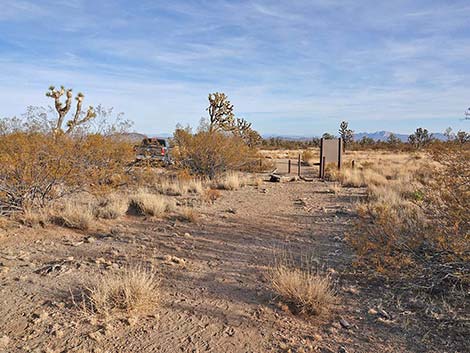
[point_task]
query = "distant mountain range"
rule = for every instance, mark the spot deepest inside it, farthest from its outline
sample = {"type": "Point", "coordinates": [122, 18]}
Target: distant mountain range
{"type": "Point", "coordinates": [384, 135]}
{"type": "Point", "coordinates": [376, 136]}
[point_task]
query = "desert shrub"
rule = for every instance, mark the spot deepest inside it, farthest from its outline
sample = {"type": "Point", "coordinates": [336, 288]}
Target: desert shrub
{"type": "Point", "coordinates": [309, 157]}
{"type": "Point", "coordinates": [305, 291]}
{"type": "Point", "coordinates": [416, 221]}
{"type": "Point", "coordinates": [111, 206]}
{"type": "Point", "coordinates": [131, 291]}
{"type": "Point", "coordinates": [230, 181]}
{"type": "Point", "coordinates": [210, 153]}
{"type": "Point", "coordinates": [187, 214]}
{"type": "Point", "coordinates": [36, 168]}
{"type": "Point", "coordinates": [146, 203]}
{"type": "Point", "coordinates": [211, 195]}
{"type": "Point", "coordinates": [74, 214]}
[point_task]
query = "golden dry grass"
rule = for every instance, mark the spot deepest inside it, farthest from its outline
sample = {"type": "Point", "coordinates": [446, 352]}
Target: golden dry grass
{"type": "Point", "coordinates": [308, 292]}
{"type": "Point", "coordinates": [111, 206]}
{"type": "Point", "coordinates": [187, 214]}
{"type": "Point", "coordinates": [75, 214]}
{"type": "Point", "coordinates": [146, 203]}
{"type": "Point", "coordinates": [134, 290]}
{"type": "Point", "coordinates": [230, 181]}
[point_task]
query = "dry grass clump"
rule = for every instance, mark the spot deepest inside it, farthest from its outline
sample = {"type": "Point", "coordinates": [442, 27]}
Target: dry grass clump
{"type": "Point", "coordinates": [307, 292]}
{"type": "Point", "coordinates": [132, 290]}
{"type": "Point", "coordinates": [230, 181]}
{"type": "Point", "coordinates": [34, 217]}
{"type": "Point", "coordinates": [211, 195]}
{"type": "Point", "coordinates": [180, 186]}
{"type": "Point", "coordinates": [187, 214]}
{"type": "Point", "coordinates": [148, 204]}
{"type": "Point", "coordinates": [111, 206]}
{"type": "Point", "coordinates": [300, 284]}
{"type": "Point", "coordinates": [310, 157]}
{"type": "Point", "coordinates": [75, 214]}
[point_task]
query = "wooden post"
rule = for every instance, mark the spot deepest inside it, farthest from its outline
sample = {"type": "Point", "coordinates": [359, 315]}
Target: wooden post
{"type": "Point", "coordinates": [324, 167]}
{"type": "Point", "coordinates": [288, 167]}
{"type": "Point", "coordinates": [321, 158]}
{"type": "Point", "coordinates": [260, 162]}
{"type": "Point", "coordinates": [340, 152]}
{"type": "Point", "coordinates": [298, 166]}
{"type": "Point", "coordinates": [352, 164]}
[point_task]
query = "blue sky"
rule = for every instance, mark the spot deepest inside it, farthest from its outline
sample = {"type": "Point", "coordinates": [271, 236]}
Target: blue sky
{"type": "Point", "coordinates": [290, 67]}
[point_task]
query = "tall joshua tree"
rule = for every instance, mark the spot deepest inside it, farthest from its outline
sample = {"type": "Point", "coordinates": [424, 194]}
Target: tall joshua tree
{"type": "Point", "coordinates": [220, 110]}
{"type": "Point", "coordinates": [346, 134]}
{"type": "Point", "coordinates": [79, 117]}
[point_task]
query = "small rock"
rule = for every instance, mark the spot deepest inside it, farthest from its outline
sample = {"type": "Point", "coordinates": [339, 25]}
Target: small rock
{"type": "Point", "coordinates": [372, 311]}
{"type": "Point", "coordinates": [187, 235]}
{"type": "Point", "coordinates": [4, 268]}
{"type": "Point", "coordinates": [345, 324]}
{"type": "Point", "coordinates": [384, 314]}
{"type": "Point", "coordinates": [352, 290]}
{"type": "Point", "coordinates": [131, 321]}
{"type": "Point", "coordinates": [90, 240]}
{"type": "Point", "coordinates": [4, 341]}
{"type": "Point", "coordinates": [96, 336]}
{"type": "Point", "coordinates": [342, 350]}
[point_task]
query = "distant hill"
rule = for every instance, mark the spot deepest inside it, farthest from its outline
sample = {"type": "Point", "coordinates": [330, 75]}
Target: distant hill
{"type": "Point", "coordinates": [383, 136]}
{"type": "Point", "coordinates": [134, 137]}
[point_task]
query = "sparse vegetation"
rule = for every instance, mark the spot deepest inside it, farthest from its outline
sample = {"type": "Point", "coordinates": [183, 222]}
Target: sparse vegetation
{"type": "Point", "coordinates": [131, 291]}
{"type": "Point", "coordinates": [305, 291]}
{"type": "Point", "coordinates": [146, 203]}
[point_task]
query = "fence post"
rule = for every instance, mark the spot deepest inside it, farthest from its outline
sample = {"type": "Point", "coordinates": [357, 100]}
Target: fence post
{"type": "Point", "coordinates": [298, 166]}
{"type": "Point", "coordinates": [321, 158]}
{"type": "Point", "coordinates": [352, 164]}
{"type": "Point", "coordinates": [288, 167]}
{"type": "Point", "coordinates": [324, 167]}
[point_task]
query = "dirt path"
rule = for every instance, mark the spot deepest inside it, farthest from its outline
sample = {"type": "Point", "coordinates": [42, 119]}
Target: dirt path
{"type": "Point", "coordinates": [216, 299]}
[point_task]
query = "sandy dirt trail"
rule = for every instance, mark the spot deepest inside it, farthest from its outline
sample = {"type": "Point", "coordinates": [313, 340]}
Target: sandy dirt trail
{"type": "Point", "coordinates": [215, 298]}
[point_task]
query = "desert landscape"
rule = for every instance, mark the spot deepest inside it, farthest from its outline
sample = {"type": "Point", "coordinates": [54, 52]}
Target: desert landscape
{"type": "Point", "coordinates": [243, 176]}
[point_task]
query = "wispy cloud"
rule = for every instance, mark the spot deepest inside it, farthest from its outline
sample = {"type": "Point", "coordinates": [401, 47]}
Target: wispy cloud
{"type": "Point", "coordinates": [292, 66]}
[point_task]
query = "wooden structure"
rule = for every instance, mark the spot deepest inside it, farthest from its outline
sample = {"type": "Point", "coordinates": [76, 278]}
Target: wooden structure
{"type": "Point", "coordinates": [331, 151]}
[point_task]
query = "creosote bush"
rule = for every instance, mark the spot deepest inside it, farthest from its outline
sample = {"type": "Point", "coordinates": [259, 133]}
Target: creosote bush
{"type": "Point", "coordinates": [37, 168]}
{"type": "Point", "coordinates": [211, 153]}
{"type": "Point", "coordinates": [130, 291]}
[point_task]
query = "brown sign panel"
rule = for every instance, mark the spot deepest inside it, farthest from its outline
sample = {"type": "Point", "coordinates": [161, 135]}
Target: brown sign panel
{"type": "Point", "coordinates": [330, 152]}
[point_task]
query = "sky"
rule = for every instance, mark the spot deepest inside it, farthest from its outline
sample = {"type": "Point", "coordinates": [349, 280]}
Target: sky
{"type": "Point", "coordinates": [295, 67]}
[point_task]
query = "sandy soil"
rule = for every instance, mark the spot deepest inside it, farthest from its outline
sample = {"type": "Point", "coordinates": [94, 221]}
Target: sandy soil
{"type": "Point", "coordinates": [217, 298]}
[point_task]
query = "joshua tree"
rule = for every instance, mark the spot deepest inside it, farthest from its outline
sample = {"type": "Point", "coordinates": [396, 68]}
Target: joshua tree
{"type": "Point", "coordinates": [62, 109]}
{"type": "Point", "coordinates": [462, 137]}
{"type": "Point", "coordinates": [420, 138]}
{"type": "Point", "coordinates": [393, 139]}
{"type": "Point", "coordinates": [327, 136]}
{"type": "Point", "coordinates": [220, 112]}
{"type": "Point", "coordinates": [346, 134]}
{"type": "Point", "coordinates": [449, 134]}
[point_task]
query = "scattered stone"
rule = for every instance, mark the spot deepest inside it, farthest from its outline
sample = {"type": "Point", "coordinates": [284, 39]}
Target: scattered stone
{"type": "Point", "coordinates": [352, 290]}
{"type": "Point", "coordinates": [95, 336]}
{"type": "Point", "coordinates": [4, 268]}
{"type": "Point", "coordinates": [40, 316]}
{"type": "Point", "coordinates": [187, 235]}
{"type": "Point", "coordinates": [4, 341]}
{"type": "Point", "coordinates": [231, 210]}
{"type": "Point", "coordinates": [90, 240]}
{"type": "Point", "coordinates": [131, 321]}
{"type": "Point", "coordinates": [372, 311]}
{"type": "Point", "coordinates": [345, 324]}
{"type": "Point", "coordinates": [342, 350]}
{"type": "Point", "coordinates": [384, 314]}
